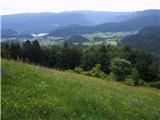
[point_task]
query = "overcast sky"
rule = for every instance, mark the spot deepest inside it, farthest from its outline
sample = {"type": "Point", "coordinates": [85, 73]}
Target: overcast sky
{"type": "Point", "coordinates": [23, 6]}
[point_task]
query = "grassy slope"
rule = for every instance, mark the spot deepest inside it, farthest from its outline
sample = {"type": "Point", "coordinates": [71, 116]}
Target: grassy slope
{"type": "Point", "coordinates": [32, 92]}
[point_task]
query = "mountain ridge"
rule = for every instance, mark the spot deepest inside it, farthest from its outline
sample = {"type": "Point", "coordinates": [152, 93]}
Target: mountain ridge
{"type": "Point", "coordinates": [42, 22]}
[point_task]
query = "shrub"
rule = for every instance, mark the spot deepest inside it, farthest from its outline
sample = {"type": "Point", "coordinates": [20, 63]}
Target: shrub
{"type": "Point", "coordinates": [78, 70]}
{"type": "Point", "coordinates": [155, 85]}
{"type": "Point", "coordinates": [129, 81]}
{"type": "Point", "coordinates": [121, 68]}
{"type": "Point", "coordinates": [110, 77]}
{"type": "Point", "coordinates": [141, 82]}
{"type": "Point", "coordinates": [97, 72]}
{"type": "Point", "coordinates": [135, 77]}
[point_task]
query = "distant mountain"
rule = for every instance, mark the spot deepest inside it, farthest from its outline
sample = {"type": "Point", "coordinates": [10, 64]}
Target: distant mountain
{"type": "Point", "coordinates": [76, 39]}
{"type": "Point", "coordinates": [44, 22]}
{"type": "Point", "coordinates": [133, 24]}
{"type": "Point", "coordinates": [9, 33]}
{"type": "Point", "coordinates": [147, 39]}
{"type": "Point", "coordinates": [99, 17]}
{"type": "Point", "coordinates": [72, 30]}
{"type": "Point", "coordinates": [138, 21]}
{"type": "Point", "coordinates": [41, 22]}
{"type": "Point", "coordinates": [5, 33]}
{"type": "Point", "coordinates": [78, 21]}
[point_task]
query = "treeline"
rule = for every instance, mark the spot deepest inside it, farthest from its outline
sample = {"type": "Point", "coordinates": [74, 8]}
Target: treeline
{"type": "Point", "coordinates": [122, 63]}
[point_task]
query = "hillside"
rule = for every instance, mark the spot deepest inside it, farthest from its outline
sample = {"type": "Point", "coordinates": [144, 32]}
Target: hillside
{"type": "Point", "coordinates": [41, 22]}
{"type": "Point", "coordinates": [76, 39]}
{"type": "Point", "coordinates": [45, 22]}
{"type": "Point", "coordinates": [9, 33]}
{"type": "Point", "coordinates": [147, 39]}
{"type": "Point", "coordinates": [33, 92]}
{"type": "Point", "coordinates": [134, 24]}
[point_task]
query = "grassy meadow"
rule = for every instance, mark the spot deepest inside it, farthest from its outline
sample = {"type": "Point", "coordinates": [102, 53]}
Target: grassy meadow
{"type": "Point", "coordinates": [32, 92]}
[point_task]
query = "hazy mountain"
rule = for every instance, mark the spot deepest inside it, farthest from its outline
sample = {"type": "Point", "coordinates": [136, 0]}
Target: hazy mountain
{"type": "Point", "coordinates": [43, 22]}
{"type": "Point", "coordinates": [9, 33]}
{"type": "Point", "coordinates": [78, 21]}
{"type": "Point", "coordinates": [135, 23]}
{"type": "Point", "coordinates": [99, 17]}
{"type": "Point", "coordinates": [147, 39]}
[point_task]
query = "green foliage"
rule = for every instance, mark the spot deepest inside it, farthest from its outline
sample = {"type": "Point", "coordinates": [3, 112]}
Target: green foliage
{"type": "Point", "coordinates": [15, 50]}
{"type": "Point", "coordinates": [155, 84]}
{"type": "Point", "coordinates": [135, 77]}
{"type": "Point", "coordinates": [97, 72]}
{"type": "Point", "coordinates": [69, 57]}
{"type": "Point", "coordinates": [110, 77]}
{"type": "Point", "coordinates": [121, 68]}
{"type": "Point", "coordinates": [104, 58]}
{"type": "Point", "coordinates": [129, 81]}
{"type": "Point", "coordinates": [78, 70]}
{"type": "Point", "coordinates": [5, 50]}
{"type": "Point", "coordinates": [145, 63]}
{"type": "Point", "coordinates": [89, 58]}
{"type": "Point", "coordinates": [141, 82]}
{"type": "Point", "coordinates": [32, 93]}
{"type": "Point", "coordinates": [31, 51]}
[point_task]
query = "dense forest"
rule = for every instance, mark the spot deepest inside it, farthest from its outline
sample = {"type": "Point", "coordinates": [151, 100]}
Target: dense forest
{"type": "Point", "coordinates": [100, 61]}
{"type": "Point", "coordinates": [146, 39]}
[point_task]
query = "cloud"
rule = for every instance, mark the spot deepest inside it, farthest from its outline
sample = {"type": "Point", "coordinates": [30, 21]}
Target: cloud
{"type": "Point", "coordinates": [20, 6]}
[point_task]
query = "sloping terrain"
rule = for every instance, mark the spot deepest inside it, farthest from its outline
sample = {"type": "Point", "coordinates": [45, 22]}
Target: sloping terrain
{"type": "Point", "coordinates": [135, 24]}
{"type": "Point", "coordinates": [31, 92]}
{"type": "Point", "coordinates": [77, 39]}
{"type": "Point", "coordinates": [43, 22]}
{"type": "Point", "coordinates": [113, 21]}
{"type": "Point", "coordinates": [146, 39]}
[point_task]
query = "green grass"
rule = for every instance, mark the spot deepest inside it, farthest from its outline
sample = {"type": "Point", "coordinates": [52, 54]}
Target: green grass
{"type": "Point", "coordinates": [35, 93]}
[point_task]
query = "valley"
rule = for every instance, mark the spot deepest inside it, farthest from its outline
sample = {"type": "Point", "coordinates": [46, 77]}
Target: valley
{"type": "Point", "coordinates": [108, 38]}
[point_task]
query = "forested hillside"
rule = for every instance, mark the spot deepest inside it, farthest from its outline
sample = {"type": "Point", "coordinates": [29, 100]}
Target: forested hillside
{"type": "Point", "coordinates": [9, 33]}
{"type": "Point", "coordinates": [46, 22]}
{"type": "Point", "coordinates": [76, 39]}
{"type": "Point", "coordinates": [134, 24]}
{"type": "Point", "coordinates": [146, 39]}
